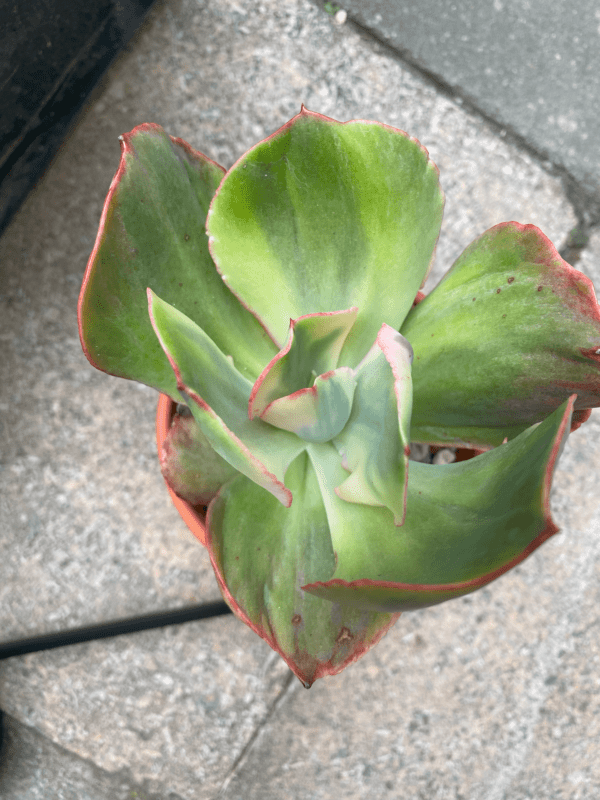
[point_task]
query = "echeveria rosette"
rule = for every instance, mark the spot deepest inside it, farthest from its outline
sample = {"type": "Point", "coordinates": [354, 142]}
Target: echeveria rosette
{"type": "Point", "coordinates": [295, 358]}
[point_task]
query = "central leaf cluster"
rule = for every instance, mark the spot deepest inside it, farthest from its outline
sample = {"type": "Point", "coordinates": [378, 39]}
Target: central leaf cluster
{"type": "Point", "coordinates": [364, 411]}
{"type": "Point", "coordinates": [349, 419]}
{"type": "Point", "coordinates": [316, 413]}
{"type": "Point", "coordinates": [287, 394]}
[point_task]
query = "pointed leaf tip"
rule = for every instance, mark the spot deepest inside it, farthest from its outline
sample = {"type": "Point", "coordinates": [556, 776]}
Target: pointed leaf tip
{"type": "Point", "coordinates": [262, 553]}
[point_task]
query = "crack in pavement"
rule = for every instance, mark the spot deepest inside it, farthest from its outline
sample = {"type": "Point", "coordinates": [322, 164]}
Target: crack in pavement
{"type": "Point", "coordinates": [289, 685]}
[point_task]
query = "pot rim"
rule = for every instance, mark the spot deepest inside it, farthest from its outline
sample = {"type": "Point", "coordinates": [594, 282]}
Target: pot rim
{"type": "Point", "coordinates": [195, 521]}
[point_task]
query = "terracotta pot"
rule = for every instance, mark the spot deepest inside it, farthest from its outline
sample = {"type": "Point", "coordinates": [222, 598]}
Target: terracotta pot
{"type": "Point", "coordinates": [193, 516]}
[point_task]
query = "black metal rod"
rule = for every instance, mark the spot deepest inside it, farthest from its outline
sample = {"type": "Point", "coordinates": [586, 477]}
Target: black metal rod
{"type": "Point", "coordinates": [90, 633]}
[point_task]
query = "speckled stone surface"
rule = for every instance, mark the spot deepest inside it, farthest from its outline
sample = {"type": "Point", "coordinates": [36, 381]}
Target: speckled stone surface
{"type": "Point", "coordinates": [35, 768]}
{"type": "Point", "coordinates": [531, 65]}
{"type": "Point", "coordinates": [486, 698]}
{"type": "Point", "coordinates": [171, 709]}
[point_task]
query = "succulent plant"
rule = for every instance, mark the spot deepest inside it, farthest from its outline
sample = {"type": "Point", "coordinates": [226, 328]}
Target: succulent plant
{"type": "Point", "coordinates": [279, 302]}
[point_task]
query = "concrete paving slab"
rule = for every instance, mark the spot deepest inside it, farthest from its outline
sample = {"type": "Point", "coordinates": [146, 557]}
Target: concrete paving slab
{"type": "Point", "coordinates": [531, 66]}
{"type": "Point", "coordinates": [34, 768]}
{"type": "Point", "coordinates": [449, 703]}
{"type": "Point", "coordinates": [170, 710]}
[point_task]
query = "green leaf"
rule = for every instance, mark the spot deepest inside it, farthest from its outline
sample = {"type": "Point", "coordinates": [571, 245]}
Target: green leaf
{"type": "Point", "coordinates": [326, 215]}
{"type": "Point", "coordinates": [375, 443]}
{"type": "Point", "coordinates": [262, 553]}
{"type": "Point", "coordinates": [313, 346]}
{"type": "Point", "coordinates": [217, 395]}
{"type": "Point", "coordinates": [152, 234]}
{"type": "Point", "coordinates": [318, 413]}
{"type": "Point", "coordinates": [466, 523]}
{"type": "Point", "coordinates": [505, 337]}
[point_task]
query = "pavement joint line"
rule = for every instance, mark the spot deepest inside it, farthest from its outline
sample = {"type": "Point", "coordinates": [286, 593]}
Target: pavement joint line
{"type": "Point", "coordinates": [585, 203]}
{"type": "Point", "coordinates": [288, 687]}
{"type": "Point", "coordinates": [579, 198]}
{"type": "Point", "coordinates": [104, 630]}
